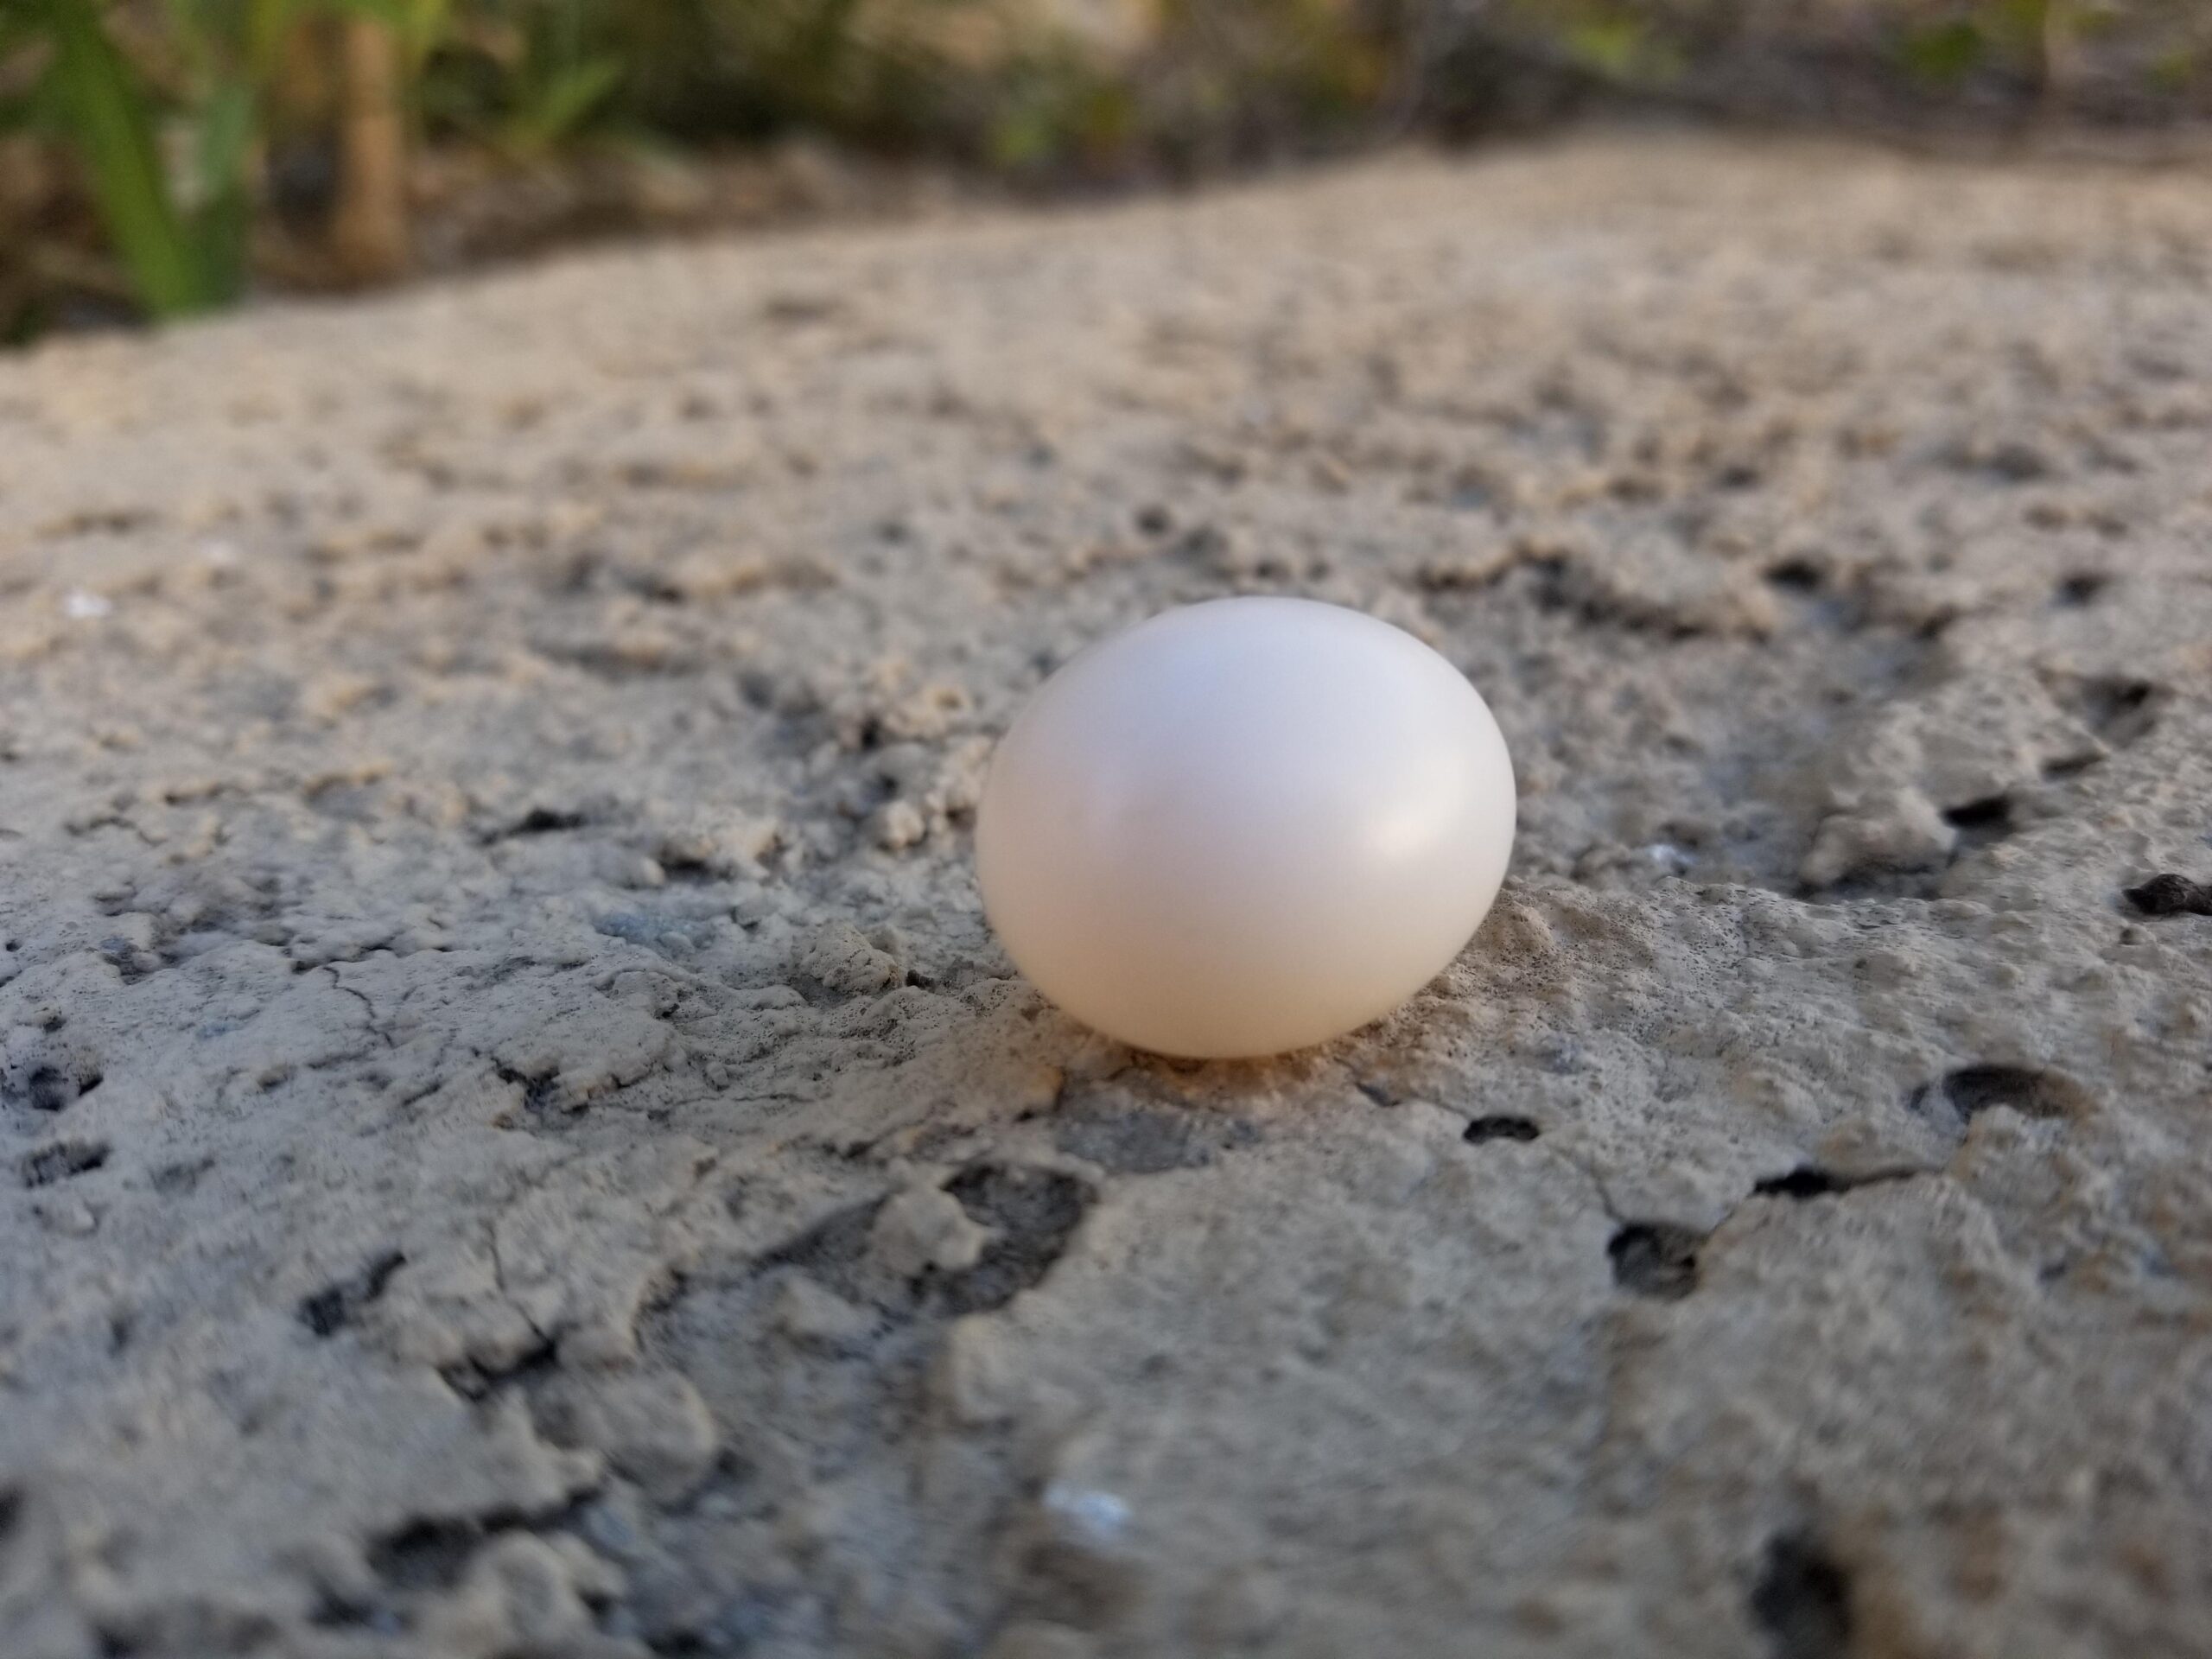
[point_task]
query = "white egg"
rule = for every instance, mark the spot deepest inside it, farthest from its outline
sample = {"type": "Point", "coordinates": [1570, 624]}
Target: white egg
{"type": "Point", "coordinates": [1244, 826]}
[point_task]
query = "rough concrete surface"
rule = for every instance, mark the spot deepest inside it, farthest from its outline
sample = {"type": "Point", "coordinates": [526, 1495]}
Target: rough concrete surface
{"type": "Point", "coordinates": [518, 1142]}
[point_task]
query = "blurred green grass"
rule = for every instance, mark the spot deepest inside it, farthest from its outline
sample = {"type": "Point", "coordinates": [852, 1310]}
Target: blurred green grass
{"type": "Point", "coordinates": [159, 156]}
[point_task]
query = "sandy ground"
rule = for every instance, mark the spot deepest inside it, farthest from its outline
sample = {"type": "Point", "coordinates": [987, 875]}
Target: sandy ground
{"type": "Point", "coordinates": [518, 1143]}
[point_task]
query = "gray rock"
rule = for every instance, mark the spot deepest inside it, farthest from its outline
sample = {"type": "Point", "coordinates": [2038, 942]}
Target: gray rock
{"type": "Point", "coordinates": [517, 1137]}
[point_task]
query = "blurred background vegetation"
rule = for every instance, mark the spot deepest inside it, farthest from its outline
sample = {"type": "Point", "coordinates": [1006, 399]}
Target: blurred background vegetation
{"type": "Point", "coordinates": [164, 156]}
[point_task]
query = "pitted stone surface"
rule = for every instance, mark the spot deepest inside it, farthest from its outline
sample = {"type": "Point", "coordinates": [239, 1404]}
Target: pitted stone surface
{"type": "Point", "coordinates": [516, 1141]}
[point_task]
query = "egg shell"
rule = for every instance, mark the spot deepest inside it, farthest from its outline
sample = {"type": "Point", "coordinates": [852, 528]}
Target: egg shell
{"type": "Point", "coordinates": [1244, 827]}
